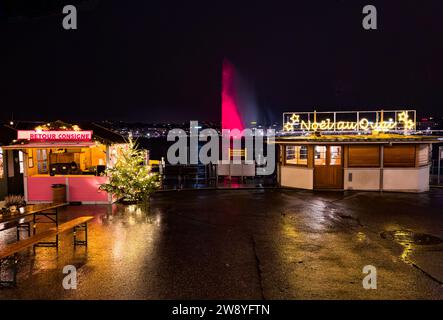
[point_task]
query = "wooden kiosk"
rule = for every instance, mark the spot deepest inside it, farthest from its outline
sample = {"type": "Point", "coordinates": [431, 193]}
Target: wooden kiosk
{"type": "Point", "coordinates": [59, 154]}
{"type": "Point", "coordinates": [370, 150]}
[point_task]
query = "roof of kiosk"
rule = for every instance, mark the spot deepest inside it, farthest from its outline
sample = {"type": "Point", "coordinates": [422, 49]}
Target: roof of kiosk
{"type": "Point", "coordinates": [357, 138]}
{"type": "Point", "coordinates": [59, 134]}
{"type": "Point", "coordinates": [46, 145]}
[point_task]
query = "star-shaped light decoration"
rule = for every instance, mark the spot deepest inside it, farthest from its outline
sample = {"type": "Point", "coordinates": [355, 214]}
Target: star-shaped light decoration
{"type": "Point", "coordinates": [409, 125]}
{"type": "Point", "coordinates": [403, 117]}
{"type": "Point", "coordinates": [288, 126]}
{"type": "Point", "coordinates": [295, 118]}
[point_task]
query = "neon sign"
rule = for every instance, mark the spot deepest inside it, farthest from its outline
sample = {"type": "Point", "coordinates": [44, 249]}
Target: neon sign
{"type": "Point", "coordinates": [366, 121]}
{"type": "Point", "coordinates": [51, 136]}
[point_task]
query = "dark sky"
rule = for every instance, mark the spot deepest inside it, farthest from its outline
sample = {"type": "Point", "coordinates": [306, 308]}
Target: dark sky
{"type": "Point", "coordinates": [160, 61]}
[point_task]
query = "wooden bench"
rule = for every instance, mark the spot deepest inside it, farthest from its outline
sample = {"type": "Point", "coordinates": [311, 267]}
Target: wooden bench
{"type": "Point", "coordinates": [77, 224]}
{"type": "Point", "coordinates": [10, 252]}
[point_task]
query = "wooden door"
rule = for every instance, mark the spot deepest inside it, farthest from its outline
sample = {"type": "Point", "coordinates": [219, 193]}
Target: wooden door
{"type": "Point", "coordinates": [328, 167]}
{"type": "Point", "coordinates": [15, 172]}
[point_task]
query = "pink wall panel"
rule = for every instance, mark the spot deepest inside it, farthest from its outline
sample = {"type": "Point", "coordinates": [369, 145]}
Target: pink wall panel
{"type": "Point", "coordinates": [83, 189]}
{"type": "Point", "coordinates": [39, 188]}
{"type": "Point", "coordinates": [86, 189]}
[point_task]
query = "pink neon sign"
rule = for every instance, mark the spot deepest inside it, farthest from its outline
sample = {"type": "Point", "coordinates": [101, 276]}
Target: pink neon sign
{"type": "Point", "coordinates": [42, 136]}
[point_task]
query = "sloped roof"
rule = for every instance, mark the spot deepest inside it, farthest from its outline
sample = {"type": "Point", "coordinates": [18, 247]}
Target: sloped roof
{"type": "Point", "coordinates": [355, 138]}
{"type": "Point", "coordinates": [7, 134]}
{"type": "Point", "coordinates": [100, 133]}
{"type": "Point", "coordinates": [103, 134]}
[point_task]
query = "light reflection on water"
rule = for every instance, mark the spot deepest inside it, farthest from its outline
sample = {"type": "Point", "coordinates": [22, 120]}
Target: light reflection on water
{"type": "Point", "coordinates": [410, 241]}
{"type": "Point", "coordinates": [134, 230]}
{"type": "Point", "coordinates": [130, 215]}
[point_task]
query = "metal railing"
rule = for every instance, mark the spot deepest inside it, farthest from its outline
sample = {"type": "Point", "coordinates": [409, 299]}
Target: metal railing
{"type": "Point", "coordinates": [174, 177]}
{"type": "Point", "coordinates": [436, 172]}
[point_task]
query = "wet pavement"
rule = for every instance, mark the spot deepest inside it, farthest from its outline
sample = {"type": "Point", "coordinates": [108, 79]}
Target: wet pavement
{"type": "Point", "coordinates": [247, 244]}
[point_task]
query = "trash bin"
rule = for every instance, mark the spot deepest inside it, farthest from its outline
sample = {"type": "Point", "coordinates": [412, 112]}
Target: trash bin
{"type": "Point", "coordinates": [58, 193]}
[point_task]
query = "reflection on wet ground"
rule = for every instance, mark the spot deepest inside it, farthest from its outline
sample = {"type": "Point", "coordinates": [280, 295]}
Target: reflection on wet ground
{"type": "Point", "coordinates": [408, 237]}
{"type": "Point", "coordinates": [246, 244]}
{"type": "Point", "coordinates": [410, 241]}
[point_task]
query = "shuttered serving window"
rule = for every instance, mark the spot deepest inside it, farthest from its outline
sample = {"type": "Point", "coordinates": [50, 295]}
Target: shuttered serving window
{"type": "Point", "coordinates": [364, 156]}
{"type": "Point", "coordinates": [401, 155]}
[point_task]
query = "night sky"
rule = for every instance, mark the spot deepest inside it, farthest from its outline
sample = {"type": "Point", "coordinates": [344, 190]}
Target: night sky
{"type": "Point", "coordinates": [160, 61]}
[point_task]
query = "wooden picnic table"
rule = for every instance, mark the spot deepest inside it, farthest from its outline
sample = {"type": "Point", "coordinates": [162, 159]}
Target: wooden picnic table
{"type": "Point", "coordinates": [30, 210]}
{"type": "Point", "coordinates": [47, 211]}
{"type": "Point", "coordinates": [9, 254]}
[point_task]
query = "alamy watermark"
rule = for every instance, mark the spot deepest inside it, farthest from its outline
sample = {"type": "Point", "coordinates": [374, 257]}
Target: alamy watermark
{"type": "Point", "coordinates": [370, 280]}
{"type": "Point", "coordinates": [70, 20]}
{"type": "Point", "coordinates": [252, 142]}
{"type": "Point", "coordinates": [70, 280]}
{"type": "Point", "coordinates": [370, 19]}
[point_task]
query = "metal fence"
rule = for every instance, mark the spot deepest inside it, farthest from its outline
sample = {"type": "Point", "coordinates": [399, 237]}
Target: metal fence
{"type": "Point", "coordinates": [436, 171]}
{"type": "Point", "coordinates": [200, 176]}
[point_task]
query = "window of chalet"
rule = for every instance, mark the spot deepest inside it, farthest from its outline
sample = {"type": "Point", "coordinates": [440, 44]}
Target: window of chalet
{"type": "Point", "coordinates": [42, 161]}
{"type": "Point", "coordinates": [297, 155]}
{"type": "Point", "coordinates": [320, 155]}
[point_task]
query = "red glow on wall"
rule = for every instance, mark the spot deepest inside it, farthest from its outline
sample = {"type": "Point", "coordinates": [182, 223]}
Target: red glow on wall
{"type": "Point", "coordinates": [230, 115]}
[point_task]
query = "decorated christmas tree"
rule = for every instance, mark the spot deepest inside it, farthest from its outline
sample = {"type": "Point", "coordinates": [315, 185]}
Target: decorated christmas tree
{"type": "Point", "coordinates": [131, 179]}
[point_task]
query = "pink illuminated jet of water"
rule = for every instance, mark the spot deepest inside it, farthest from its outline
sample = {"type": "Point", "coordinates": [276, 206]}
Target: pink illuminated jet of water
{"type": "Point", "coordinates": [230, 113]}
